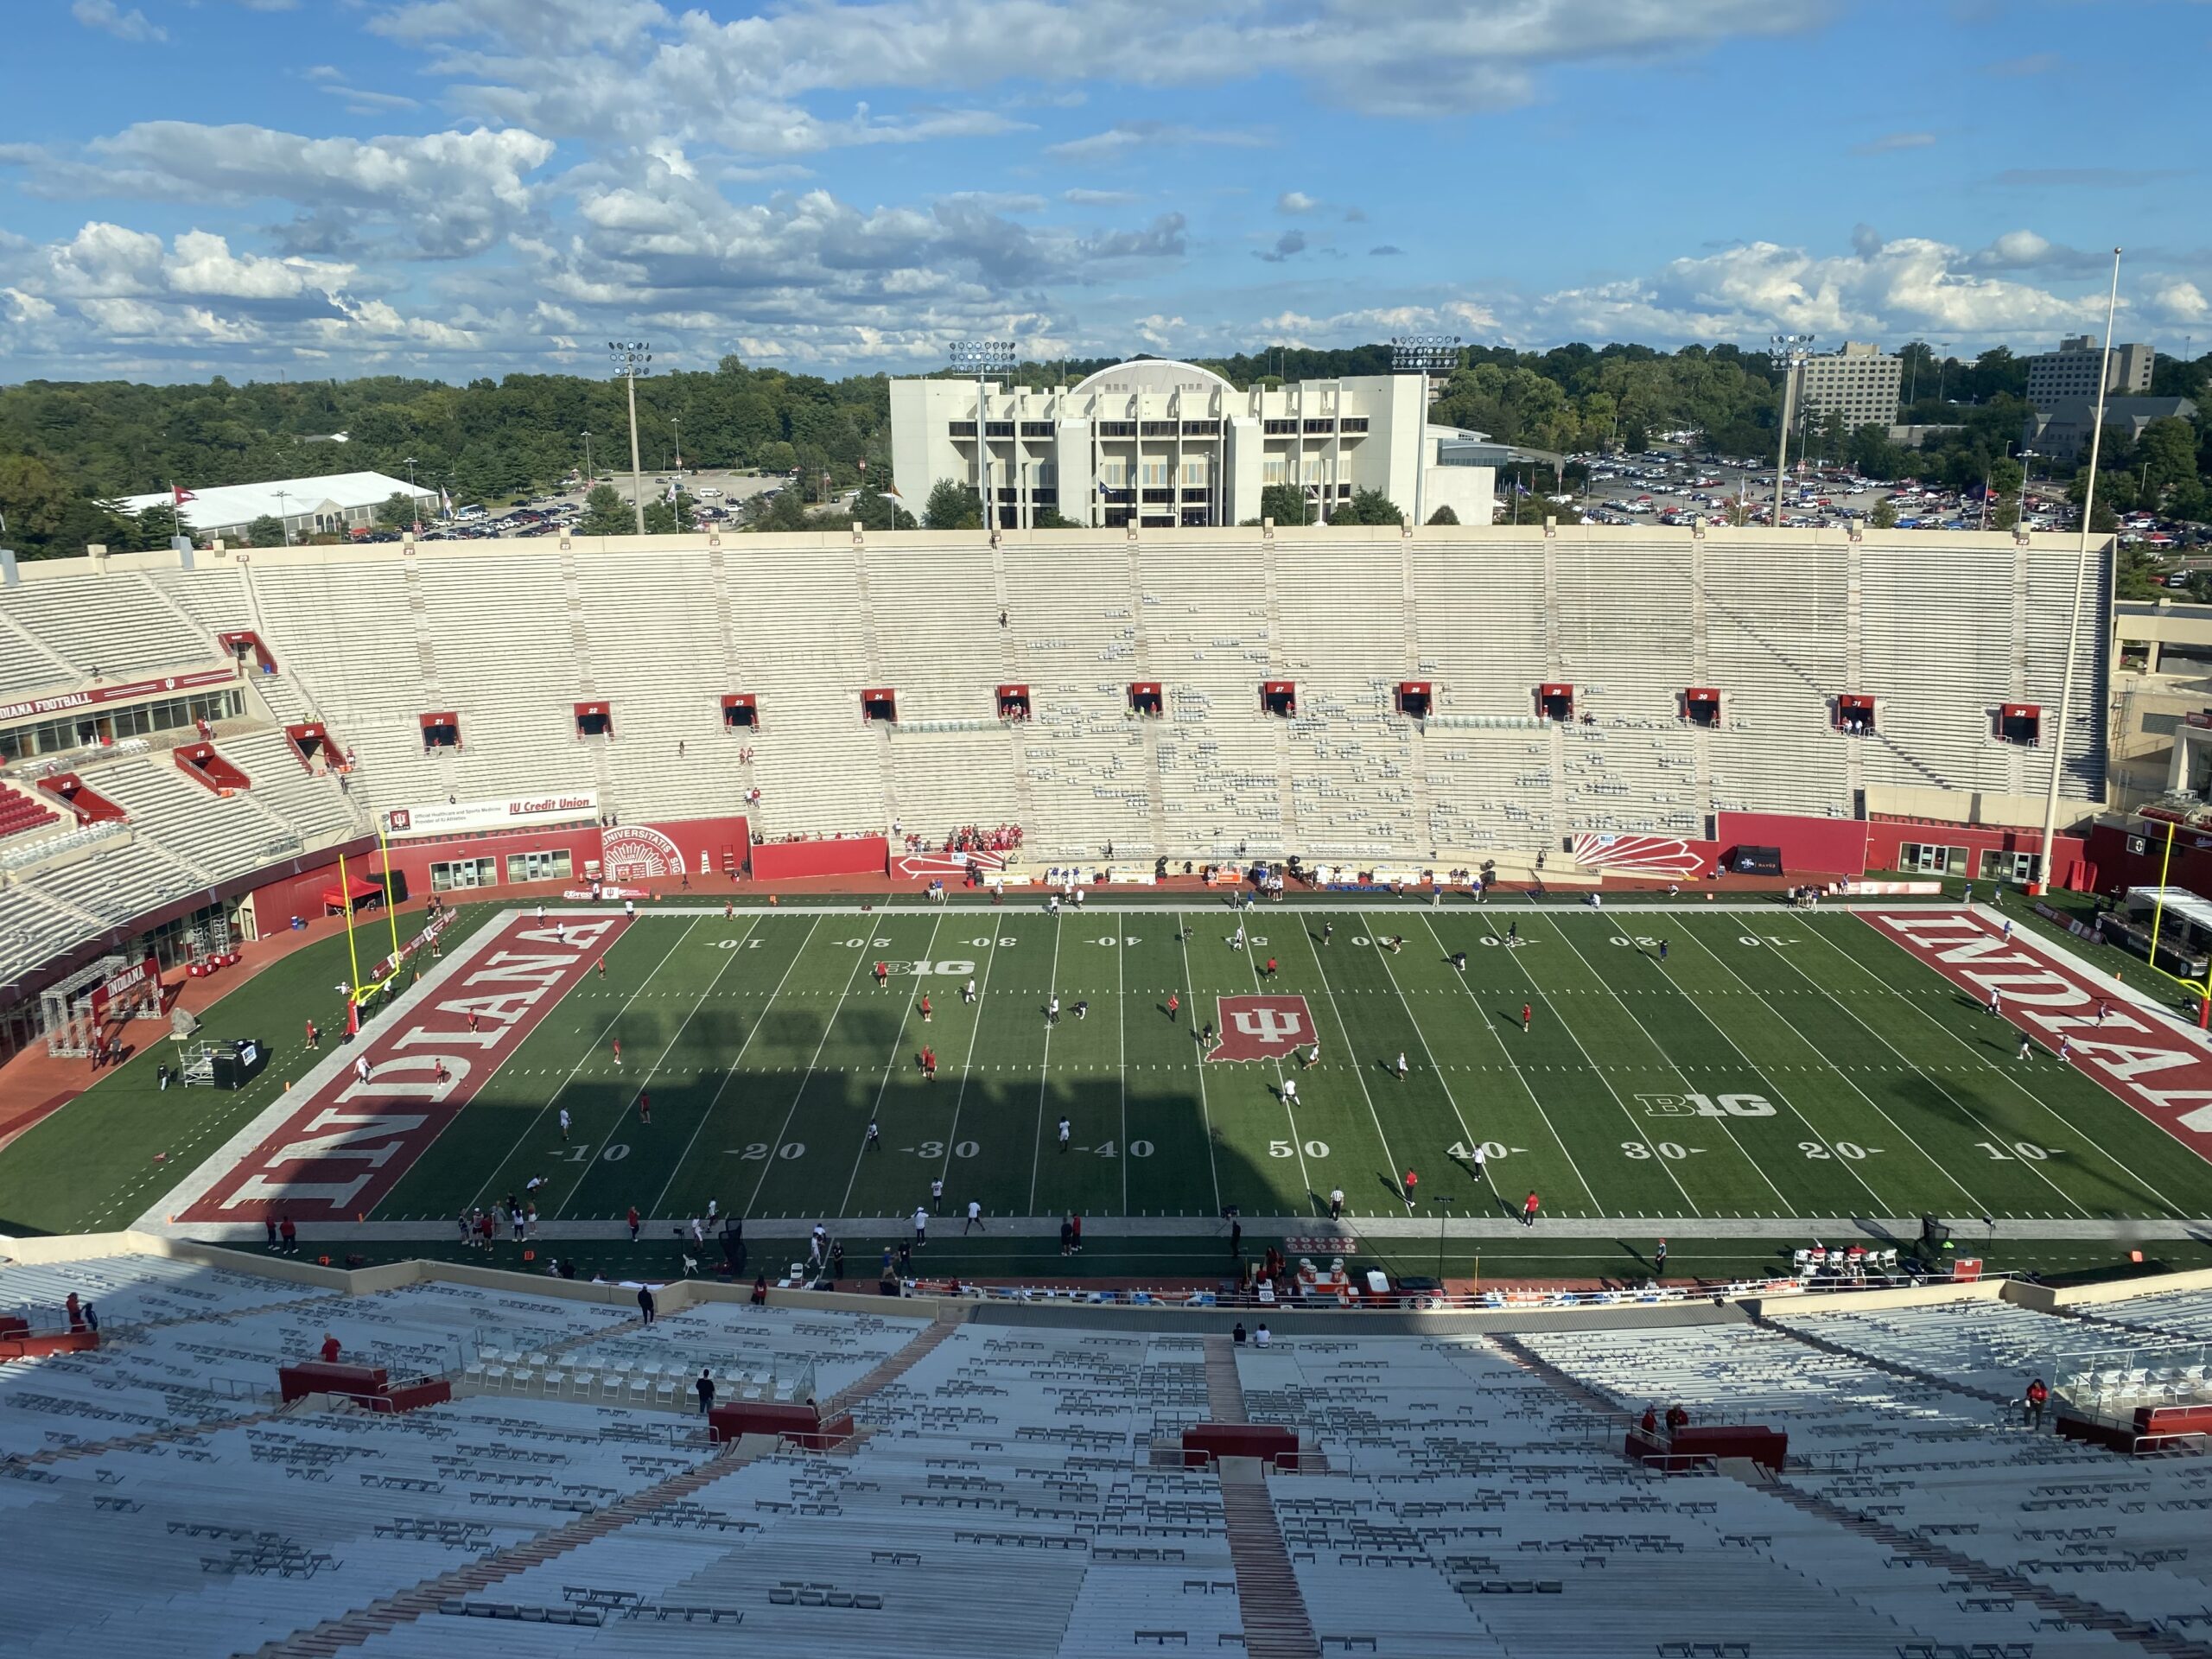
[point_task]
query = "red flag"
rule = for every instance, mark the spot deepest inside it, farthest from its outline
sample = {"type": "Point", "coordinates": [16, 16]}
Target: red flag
{"type": "Point", "coordinates": [181, 496]}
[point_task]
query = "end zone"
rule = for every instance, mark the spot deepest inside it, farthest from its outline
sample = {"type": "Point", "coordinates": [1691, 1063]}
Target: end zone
{"type": "Point", "coordinates": [336, 1147]}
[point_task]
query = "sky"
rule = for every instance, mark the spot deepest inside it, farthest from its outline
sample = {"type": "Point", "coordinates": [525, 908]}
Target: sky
{"type": "Point", "coordinates": [464, 187]}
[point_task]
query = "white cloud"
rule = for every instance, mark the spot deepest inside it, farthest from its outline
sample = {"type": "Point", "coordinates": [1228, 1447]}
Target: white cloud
{"type": "Point", "coordinates": [2178, 301]}
{"type": "Point", "coordinates": [1891, 142]}
{"type": "Point", "coordinates": [1297, 201]}
{"type": "Point", "coordinates": [1081, 198]}
{"type": "Point", "coordinates": [1116, 142]}
{"type": "Point", "coordinates": [111, 19]}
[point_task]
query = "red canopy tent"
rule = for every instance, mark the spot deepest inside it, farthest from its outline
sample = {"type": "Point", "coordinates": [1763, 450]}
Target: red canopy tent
{"type": "Point", "coordinates": [338, 899]}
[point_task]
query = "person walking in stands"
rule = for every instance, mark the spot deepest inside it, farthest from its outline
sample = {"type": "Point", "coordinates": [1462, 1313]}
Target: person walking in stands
{"type": "Point", "coordinates": [760, 1291]}
{"type": "Point", "coordinates": [2032, 1402]}
{"type": "Point", "coordinates": [1528, 1208]}
{"type": "Point", "coordinates": [1174, 1005]}
{"type": "Point", "coordinates": [974, 1219]}
{"type": "Point", "coordinates": [705, 1389]}
{"type": "Point", "coordinates": [1528, 1013]}
{"type": "Point", "coordinates": [647, 1307]}
{"type": "Point", "coordinates": [1336, 1203]}
{"type": "Point", "coordinates": [564, 1123]}
{"type": "Point", "coordinates": [290, 1235]}
{"type": "Point", "coordinates": [1064, 1134]}
{"type": "Point", "coordinates": [1237, 1335]}
{"type": "Point", "coordinates": [330, 1348]}
{"type": "Point", "coordinates": [1677, 1419]}
{"type": "Point", "coordinates": [633, 1224]}
{"type": "Point", "coordinates": [921, 1226]}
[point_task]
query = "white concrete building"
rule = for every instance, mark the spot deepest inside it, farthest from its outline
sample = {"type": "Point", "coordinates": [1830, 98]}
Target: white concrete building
{"type": "Point", "coordinates": [334, 504]}
{"type": "Point", "coordinates": [1162, 443]}
{"type": "Point", "coordinates": [1860, 383]}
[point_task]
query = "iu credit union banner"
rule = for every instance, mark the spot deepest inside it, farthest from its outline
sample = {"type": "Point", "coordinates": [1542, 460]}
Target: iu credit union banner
{"type": "Point", "coordinates": [472, 817]}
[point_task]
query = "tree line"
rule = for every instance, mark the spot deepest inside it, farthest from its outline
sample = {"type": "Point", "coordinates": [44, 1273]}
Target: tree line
{"type": "Point", "coordinates": [69, 449]}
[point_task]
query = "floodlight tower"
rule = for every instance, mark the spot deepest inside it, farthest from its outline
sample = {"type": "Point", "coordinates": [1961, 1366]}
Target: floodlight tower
{"type": "Point", "coordinates": [983, 358]}
{"type": "Point", "coordinates": [632, 359]}
{"type": "Point", "coordinates": [2080, 584]}
{"type": "Point", "coordinates": [1787, 352]}
{"type": "Point", "coordinates": [1422, 354]}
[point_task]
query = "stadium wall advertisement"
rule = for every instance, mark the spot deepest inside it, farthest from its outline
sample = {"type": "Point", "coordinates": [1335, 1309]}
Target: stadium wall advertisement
{"type": "Point", "coordinates": [2162, 1069]}
{"type": "Point", "coordinates": [341, 1150]}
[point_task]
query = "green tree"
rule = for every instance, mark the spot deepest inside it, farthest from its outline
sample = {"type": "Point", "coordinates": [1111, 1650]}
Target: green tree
{"type": "Point", "coordinates": [1883, 515]}
{"type": "Point", "coordinates": [952, 505]}
{"type": "Point", "coordinates": [1444, 516]}
{"type": "Point", "coordinates": [1050, 519]}
{"type": "Point", "coordinates": [664, 518]}
{"type": "Point", "coordinates": [395, 512]}
{"type": "Point", "coordinates": [47, 517]}
{"type": "Point", "coordinates": [876, 510]}
{"type": "Point", "coordinates": [268, 531]}
{"type": "Point", "coordinates": [2137, 577]}
{"type": "Point", "coordinates": [1368, 507]}
{"type": "Point", "coordinates": [2003, 489]}
{"type": "Point", "coordinates": [2166, 454]}
{"type": "Point", "coordinates": [150, 528]}
{"type": "Point", "coordinates": [785, 511]}
{"type": "Point", "coordinates": [606, 513]}
{"type": "Point", "coordinates": [1286, 504]}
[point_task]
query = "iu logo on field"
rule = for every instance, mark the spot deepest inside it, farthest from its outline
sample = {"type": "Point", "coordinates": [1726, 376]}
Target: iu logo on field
{"type": "Point", "coordinates": [1263, 1027]}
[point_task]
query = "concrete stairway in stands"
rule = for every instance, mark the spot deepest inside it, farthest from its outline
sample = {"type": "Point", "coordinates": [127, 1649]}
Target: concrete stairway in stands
{"type": "Point", "coordinates": [1277, 1622]}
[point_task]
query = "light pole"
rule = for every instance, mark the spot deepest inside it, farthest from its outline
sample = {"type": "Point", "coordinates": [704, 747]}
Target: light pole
{"type": "Point", "coordinates": [283, 523]}
{"type": "Point", "coordinates": [586, 460]}
{"type": "Point", "coordinates": [981, 357]}
{"type": "Point", "coordinates": [1422, 354]}
{"type": "Point", "coordinates": [2024, 453]}
{"type": "Point", "coordinates": [2081, 583]}
{"type": "Point", "coordinates": [414, 501]}
{"type": "Point", "coordinates": [631, 359]}
{"type": "Point", "coordinates": [1787, 352]}
{"type": "Point", "coordinates": [676, 422]}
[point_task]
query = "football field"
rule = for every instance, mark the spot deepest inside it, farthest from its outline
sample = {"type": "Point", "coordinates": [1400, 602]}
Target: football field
{"type": "Point", "coordinates": [1699, 1062]}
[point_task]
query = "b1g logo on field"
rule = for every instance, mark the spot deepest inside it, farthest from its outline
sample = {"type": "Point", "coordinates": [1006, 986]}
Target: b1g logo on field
{"type": "Point", "coordinates": [1707, 1106]}
{"type": "Point", "coordinates": [1263, 1027]}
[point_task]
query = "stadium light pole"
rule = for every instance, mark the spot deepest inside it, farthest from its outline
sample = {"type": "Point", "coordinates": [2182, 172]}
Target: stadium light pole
{"type": "Point", "coordinates": [1422, 354]}
{"type": "Point", "coordinates": [676, 422]}
{"type": "Point", "coordinates": [283, 523]}
{"type": "Point", "coordinates": [586, 460]}
{"type": "Point", "coordinates": [414, 501]}
{"type": "Point", "coordinates": [981, 357]}
{"type": "Point", "coordinates": [2080, 588]}
{"type": "Point", "coordinates": [1787, 352]}
{"type": "Point", "coordinates": [630, 361]}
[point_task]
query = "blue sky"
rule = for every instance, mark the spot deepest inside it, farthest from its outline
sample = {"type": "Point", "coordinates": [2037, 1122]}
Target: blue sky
{"type": "Point", "coordinates": [459, 187]}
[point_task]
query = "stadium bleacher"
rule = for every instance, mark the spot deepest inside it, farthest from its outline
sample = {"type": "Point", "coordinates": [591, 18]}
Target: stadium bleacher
{"type": "Point", "coordinates": [512, 635]}
{"type": "Point", "coordinates": [1016, 1486]}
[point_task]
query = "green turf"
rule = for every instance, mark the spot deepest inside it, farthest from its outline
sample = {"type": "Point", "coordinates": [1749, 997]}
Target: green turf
{"type": "Point", "coordinates": [1862, 1082]}
{"type": "Point", "coordinates": [767, 1047]}
{"type": "Point", "coordinates": [98, 1162]}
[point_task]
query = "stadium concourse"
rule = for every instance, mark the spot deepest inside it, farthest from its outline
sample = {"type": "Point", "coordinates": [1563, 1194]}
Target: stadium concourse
{"type": "Point", "coordinates": [208, 1454]}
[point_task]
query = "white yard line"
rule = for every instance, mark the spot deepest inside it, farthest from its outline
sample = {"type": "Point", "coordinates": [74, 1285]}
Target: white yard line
{"type": "Point", "coordinates": [968, 1064]}
{"type": "Point", "coordinates": [1044, 1063]}
{"type": "Point", "coordinates": [1206, 1116]}
{"type": "Point", "coordinates": [890, 1064]}
{"type": "Point", "coordinates": [776, 1145]}
{"type": "Point", "coordinates": [661, 1198]}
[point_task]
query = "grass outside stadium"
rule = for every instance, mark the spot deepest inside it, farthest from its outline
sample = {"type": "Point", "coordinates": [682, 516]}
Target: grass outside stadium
{"type": "Point", "coordinates": [1737, 1078]}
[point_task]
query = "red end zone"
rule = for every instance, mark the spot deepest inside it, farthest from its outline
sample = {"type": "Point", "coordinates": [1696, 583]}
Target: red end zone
{"type": "Point", "coordinates": [2164, 1070]}
{"type": "Point", "coordinates": [340, 1153]}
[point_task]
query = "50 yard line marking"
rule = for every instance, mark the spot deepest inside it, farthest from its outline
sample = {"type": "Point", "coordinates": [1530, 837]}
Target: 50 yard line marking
{"type": "Point", "coordinates": [1297, 1140]}
{"type": "Point", "coordinates": [1122, 1064]}
{"type": "Point", "coordinates": [1044, 1063]}
{"type": "Point", "coordinates": [730, 1072]}
{"type": "Point", "coordinates": [1213, 1168]}
{"type": "Point", "coordinates": [531, 1127]}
